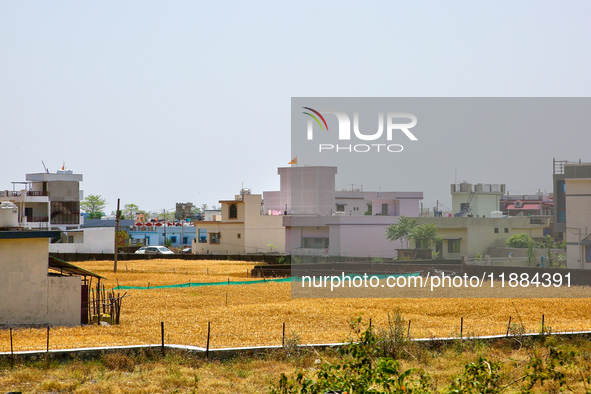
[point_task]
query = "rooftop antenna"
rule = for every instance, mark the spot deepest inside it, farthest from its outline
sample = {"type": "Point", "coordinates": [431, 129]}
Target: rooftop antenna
{"type": "Point", "coordinates": [46, 170]}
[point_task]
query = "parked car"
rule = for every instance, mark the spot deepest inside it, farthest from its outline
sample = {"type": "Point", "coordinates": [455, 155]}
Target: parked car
{"type": "Point", "coordinates": [187, 251]}
{"type": "Point", "coordinates": [154, 250]}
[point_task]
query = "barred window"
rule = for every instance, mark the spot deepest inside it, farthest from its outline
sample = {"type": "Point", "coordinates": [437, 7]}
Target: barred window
{"type": "Point", "coordinates": [65, 212]}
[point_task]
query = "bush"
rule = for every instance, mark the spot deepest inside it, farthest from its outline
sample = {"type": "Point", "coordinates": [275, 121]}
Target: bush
{"type": "Point", "coordinates": [519, 241]}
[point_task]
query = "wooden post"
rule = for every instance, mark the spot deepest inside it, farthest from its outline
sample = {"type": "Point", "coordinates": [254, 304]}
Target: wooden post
{"type": "Point", "coordinates": [408, 331]}
{"type": "Point", "coordinates": [11, 348]}
{"type": "Point", "coordinates": [47, 339]}
{"type": "Point", "coordinates": [370, 323]}
{"type": "Point", "coordinates": [208, 333]}
{"type": "Point", "coordinates": [462, 328]}
{"type": "Point", "coordinates": [542, 324]}
{"type": "Point", "coordinates": [283, 339]}
{"type": "Point", "coordinates": [162, 334]}
{"type": "Point", "coordinates": [117, 217]}
{"type": "Point", "coordinates": [508, 327]}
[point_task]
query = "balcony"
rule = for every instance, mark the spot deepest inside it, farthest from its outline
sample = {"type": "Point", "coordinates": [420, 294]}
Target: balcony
{"type": "Point", "coordinates": [30, 193]}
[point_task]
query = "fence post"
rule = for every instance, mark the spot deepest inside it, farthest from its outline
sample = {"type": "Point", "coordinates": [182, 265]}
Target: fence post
{"type": "Point", "coordinates": [408, 331]}
{"type": "Point", "coordinates": [508, 327]}
{"type": "Point", "coordinates": [47, 339]}
{"type": "Point", "coordinates": [283, 339]}
{"type": "Point", "coordinates": [162, 334]}
{"type": "Point", "coordinates": [11, 348]}
{"type": "Point", "coordinates": [207, 347]}
{"type": "Point", "coordinates": [462, 328]}
{"type": "Point", "coordinates": [542, 325]}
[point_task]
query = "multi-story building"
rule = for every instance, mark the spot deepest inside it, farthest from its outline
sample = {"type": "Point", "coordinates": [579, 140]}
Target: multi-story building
{"type": "Point", "coordinates": [478, 200]}
{"type": "Point", "coordinates": [48, 200]}
{"type": "Point", "coordinates": [572, 216]}
{"type": "Point", "coordinates": [51, 201]}
{"type": "Point", "coordinates": [243, 229]}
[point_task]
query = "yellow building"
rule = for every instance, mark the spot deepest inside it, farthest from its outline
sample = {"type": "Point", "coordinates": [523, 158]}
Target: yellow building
{"type": "Point", "coordinates": [472, 235]}
{"type": "Point", "coordinates": [243, 229]}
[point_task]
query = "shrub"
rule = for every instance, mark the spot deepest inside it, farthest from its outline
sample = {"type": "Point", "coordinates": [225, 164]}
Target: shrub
{"type": "Point", "coordinates": [519, 241]}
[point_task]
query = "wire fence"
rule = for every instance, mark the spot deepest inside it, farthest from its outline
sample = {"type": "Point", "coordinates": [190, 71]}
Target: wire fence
{"type": "Point", "coordinates": [219, 336]}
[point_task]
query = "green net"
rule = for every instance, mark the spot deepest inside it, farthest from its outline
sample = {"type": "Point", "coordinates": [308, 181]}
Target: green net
{"type": "Point", "coordinates": [244, 282]}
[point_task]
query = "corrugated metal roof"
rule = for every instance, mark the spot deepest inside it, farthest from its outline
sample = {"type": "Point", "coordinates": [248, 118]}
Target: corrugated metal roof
{"type": "Point", "coordinates": [65, 267]}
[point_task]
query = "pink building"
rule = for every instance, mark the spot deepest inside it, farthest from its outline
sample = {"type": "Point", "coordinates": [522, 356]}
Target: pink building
{"type": "Point", "coordinates": [322, 221]}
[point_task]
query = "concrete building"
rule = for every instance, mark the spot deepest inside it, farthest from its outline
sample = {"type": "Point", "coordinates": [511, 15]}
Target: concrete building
{"type": "Point", "coordinates": [51, 201]}
{"type": "Point", "coordinates": [31, 295]}
{"type": "Point", "coordinates": [243, 229]}
{"type": "Point", "coordinates": [538, 204]}
{"type": "Point", "coordinates": [476, 200]}
{"type": "Point", "coordinates": [48, 200]}
{"type": "Point", "coordinates": [321, 221]}
{"type": "Point", "coordinates": [572, 216]}
{"type": "Point", "coordinates": [472, 235]}
{"type": "Point", "coordinates": [303, 191]}
{"type": "Point", "coordinates": [179, 234]}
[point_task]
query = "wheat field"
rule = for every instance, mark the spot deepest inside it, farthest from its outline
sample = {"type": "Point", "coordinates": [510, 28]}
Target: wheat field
{"type": "Point", "coordinates": [253, 315]}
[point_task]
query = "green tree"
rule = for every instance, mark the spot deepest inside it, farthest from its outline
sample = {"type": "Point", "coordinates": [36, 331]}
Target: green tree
{"type": "Point", "coordinates": [425, 235]}
{"type": "Point", "coordinates": [122, 238]}
{"type": "Point", "coordinates": [369, 210]}
{"type": "Point", "coordinates": [129, 211]}
{"type": "Point", "coordinates": [519, 241]}
{"type": "Point", "coordinates": [401, 230]}
{"type": "Point", "coordinates": [204, 207]}
{"type": "Point", "coordinates": [93, 205]}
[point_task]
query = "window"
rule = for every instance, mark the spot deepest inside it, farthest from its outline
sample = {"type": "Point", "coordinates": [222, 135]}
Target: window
{"type": "Point", "coordinates": [238, 235]}
{"type": "Point", "coordinates": [315, 243]}
{"type": "Point", "coordinates": [453, 246]}
{"type": "Point", "coordinates": [65, 212]}
{"type": "Point", "coordinates": [173, 239]}
{"type": "Point", "coordinates": [185, 240]}
{"type": "Point", "coordinates": [202, 236]}
{"type": "Point", "coordinates": [233, 211]}
{"type": "Point", "coordinates": [506, 230]}
{"type": "Point", "coordinates": [496, 230]}
{"type": "Point", "coordinates": [340, 207]}
{"type": "Point", "coordinates": [70, 239]}
{"type": "Point", "coordinates": [588, 254]}
{"type": "Point", "coordinates": [214, 238]}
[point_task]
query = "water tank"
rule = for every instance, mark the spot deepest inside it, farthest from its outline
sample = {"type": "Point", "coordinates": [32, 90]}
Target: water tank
{"type": "Point", "coordinates": [8, 214]}
{"type": "Point", "coordinates": [496, 214]}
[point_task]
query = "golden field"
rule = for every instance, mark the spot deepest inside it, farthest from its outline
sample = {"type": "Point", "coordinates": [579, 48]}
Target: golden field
{"type": "Point", "coordinates": [254, 314]}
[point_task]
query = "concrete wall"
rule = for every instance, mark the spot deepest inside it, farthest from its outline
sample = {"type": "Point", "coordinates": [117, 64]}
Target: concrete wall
{"type": "Point", "coordinates": [64, 300]}
{"type": "Point", "coordinates": [64, 191]}
{"type": "Point", "coordinates": [96, 240]}
{"type": "Point", "coordinates": [250, 232]}
{"type": "Point", "coordinates": [578, 220]}
{"type": "Point", "coordinates": [520, 252]}
{"type": "Point", "coordinates": [310, 190]}
{"type": "Point", "coordinates": [478, 234]}
{"type": "Point", "coordinates": [23, 281]}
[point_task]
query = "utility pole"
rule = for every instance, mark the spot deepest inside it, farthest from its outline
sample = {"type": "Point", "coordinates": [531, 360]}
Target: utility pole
{"type": "Point", "coordinates": [117, 217]}
{"type": "Point", "coordinates": [164, 225]}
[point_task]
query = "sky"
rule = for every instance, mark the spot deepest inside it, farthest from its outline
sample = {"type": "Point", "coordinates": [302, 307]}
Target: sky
{"type": "Point", "coordinates": [163, 102]}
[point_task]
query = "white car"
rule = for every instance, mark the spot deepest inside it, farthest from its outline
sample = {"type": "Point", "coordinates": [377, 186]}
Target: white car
{"type": "Point", "coordinates": [154, 250]}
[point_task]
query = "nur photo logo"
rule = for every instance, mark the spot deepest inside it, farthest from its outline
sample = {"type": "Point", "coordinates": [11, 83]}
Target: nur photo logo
{"type": "Point", "coordinates": [394, 124]}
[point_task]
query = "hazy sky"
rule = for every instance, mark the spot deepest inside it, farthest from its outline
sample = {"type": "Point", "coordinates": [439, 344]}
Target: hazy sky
{"type": "Point", "coordinates": [164, 102]}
